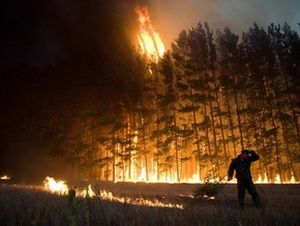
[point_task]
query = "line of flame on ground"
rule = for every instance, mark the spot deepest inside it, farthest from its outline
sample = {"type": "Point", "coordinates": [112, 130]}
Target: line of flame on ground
{"type": "Point", "coordinates": [60, 188]}
{"type": "Point", "coordinates": [194, 179]}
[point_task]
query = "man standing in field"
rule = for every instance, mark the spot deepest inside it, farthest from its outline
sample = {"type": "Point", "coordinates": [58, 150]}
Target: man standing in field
{"type": "Point", "coordinates": [241, 164]}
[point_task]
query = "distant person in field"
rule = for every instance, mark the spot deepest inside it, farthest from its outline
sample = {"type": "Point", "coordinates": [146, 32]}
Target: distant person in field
{"type": "Point", "coordinates": [241, 164]}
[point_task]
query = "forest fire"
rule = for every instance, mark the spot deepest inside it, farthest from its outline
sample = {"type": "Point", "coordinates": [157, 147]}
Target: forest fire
{"type": "Point", "coordinates": [150, 113]}
{"type": "Point", "coordinates": [149, 39]}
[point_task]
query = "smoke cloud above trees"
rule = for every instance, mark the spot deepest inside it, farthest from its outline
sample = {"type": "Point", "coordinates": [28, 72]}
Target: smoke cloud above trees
{"type": "Point", "coordinates": [171, 16]}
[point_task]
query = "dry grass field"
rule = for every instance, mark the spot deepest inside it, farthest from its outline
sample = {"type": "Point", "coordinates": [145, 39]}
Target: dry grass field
{"type": "Point", "coordinates": [22, 205]}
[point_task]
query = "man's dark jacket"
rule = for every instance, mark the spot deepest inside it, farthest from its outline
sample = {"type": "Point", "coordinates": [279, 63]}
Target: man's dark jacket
{"type": "Point", "coordinates": [242, 166]}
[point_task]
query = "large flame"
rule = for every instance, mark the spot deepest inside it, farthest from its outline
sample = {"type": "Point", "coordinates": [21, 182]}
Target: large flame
{"type": "Point", "coordinates": [149, 40]}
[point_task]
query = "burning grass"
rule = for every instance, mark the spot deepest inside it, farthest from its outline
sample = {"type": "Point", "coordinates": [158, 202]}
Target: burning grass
{"type": "Point", "coordinates": [24, 205]}
{"type": "Point", "coordinates": [61, 188]}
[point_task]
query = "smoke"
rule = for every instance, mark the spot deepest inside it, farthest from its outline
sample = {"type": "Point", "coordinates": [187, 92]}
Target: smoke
{"type": "Point", "coordinates": [42, 32]}
{"type": "Point", "coordinates": [85, 42]}
{"type": "Point", "coordinates": [172, 16]}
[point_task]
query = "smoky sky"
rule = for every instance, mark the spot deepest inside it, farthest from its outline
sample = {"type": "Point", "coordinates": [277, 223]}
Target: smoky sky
{"type": "Point", "coordinates": [56, 52]}
{"type": "Point", "coordinates": [45, 32]}
{"type": "Point", "coordinates": [171, 16]}
{"type": "Point", "coordinates": [38, 32]}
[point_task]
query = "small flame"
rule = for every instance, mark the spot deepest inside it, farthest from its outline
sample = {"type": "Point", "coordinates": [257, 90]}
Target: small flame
{"type": "Point", "coordinates": [277, 179]}
{"type": "Point", "coordinates": [149, 40]}
{"type": "Point", "coordinates": [88, 192]}
{"type": "Point", "coordinates": [5, 177]}
{"type": "Point", "coordinates": [58, 187]}
{"type": "Point", "coordinates": [209, 197]}
{"type": "Point", "coordinates": [262, 180]}
{"type": "Point", "coordinates": [292, 180]}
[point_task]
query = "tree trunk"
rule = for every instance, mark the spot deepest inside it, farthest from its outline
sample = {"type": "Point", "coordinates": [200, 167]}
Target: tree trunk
{"type": "Point", "coordinates": [230, 121]}
{"type": "Point", "coordinates": [196, 133]}
{"type": "Point", "coordinates": [176, 148]}
{"type": "Point", "coordinates": [220, 117]}
{"type": "Point", "coordinates": [145, 147]}
{"type": "Point", "coordinates": [284, 134]}
{"type": "Point", "coordinates": [274, 126]}
{"type": "Point", "coordinates": [239, 119]}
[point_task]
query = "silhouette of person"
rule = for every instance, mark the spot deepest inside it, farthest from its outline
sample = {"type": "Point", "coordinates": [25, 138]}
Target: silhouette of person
{"type": "Point", "coordinates": [241, 164]}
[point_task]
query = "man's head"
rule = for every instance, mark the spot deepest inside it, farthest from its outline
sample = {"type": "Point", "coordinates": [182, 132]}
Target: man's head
{"type": "Point", "coordinates": [245, 153]}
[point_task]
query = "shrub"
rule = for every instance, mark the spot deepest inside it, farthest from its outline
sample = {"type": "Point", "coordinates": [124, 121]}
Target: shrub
{"type": "Point", "coordinates": [208, 190]}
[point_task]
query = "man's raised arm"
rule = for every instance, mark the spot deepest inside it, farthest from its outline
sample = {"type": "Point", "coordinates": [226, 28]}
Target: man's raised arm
{"type": "Point", "coordinates": [253, 156]}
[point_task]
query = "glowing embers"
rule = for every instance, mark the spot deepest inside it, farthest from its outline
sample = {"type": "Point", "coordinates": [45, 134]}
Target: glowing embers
{"type": "Point", "coordinates": [5, 177]}
{"type": "Point", "coordinates": [149, 40]}
{"type": "Point", "coordinates": [57, 187]}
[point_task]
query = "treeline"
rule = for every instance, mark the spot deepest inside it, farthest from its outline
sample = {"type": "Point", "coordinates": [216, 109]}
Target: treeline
{"type": "Point", "coordinates": [73, 58]}
{"type": "Point", "coordinates": [209, 97]}
{"type": "Point", "coordinates": [181, 119]}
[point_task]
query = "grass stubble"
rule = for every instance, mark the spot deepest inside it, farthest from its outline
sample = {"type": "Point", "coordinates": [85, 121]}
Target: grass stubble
{"type": "Point", "coordinates": [23, 205]}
